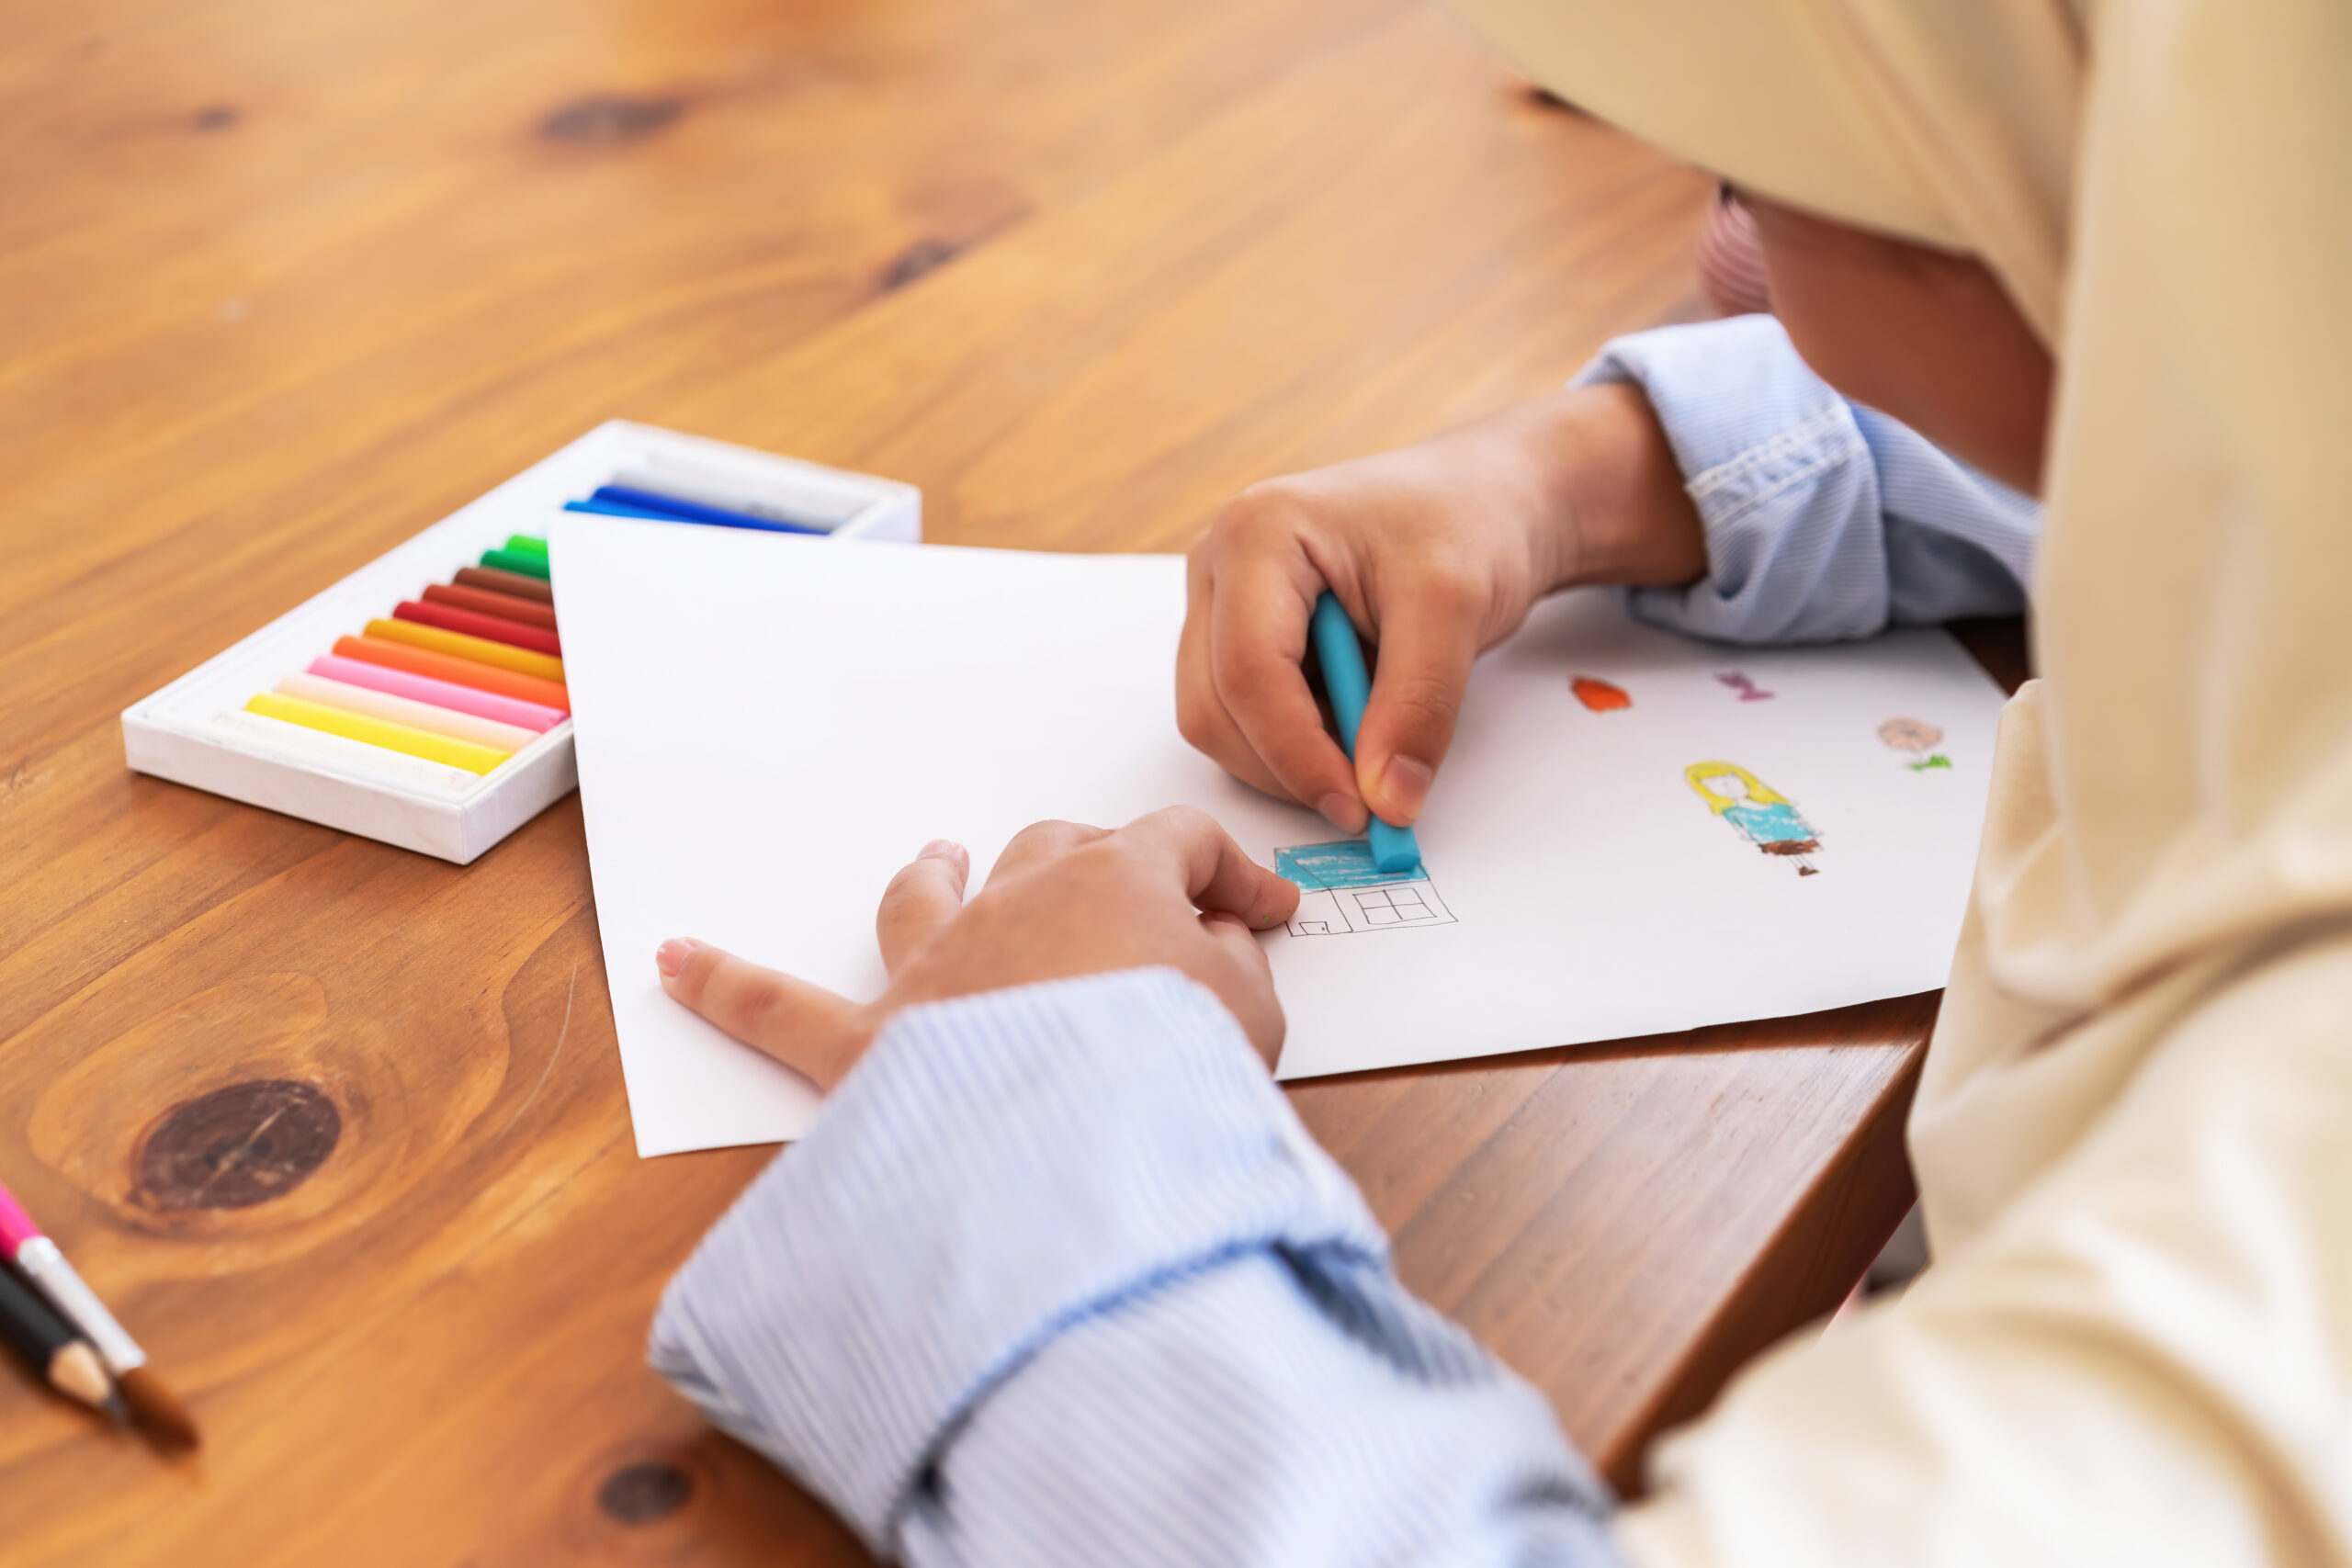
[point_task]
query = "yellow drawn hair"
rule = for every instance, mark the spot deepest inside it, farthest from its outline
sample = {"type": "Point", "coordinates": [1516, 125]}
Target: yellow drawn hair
{"type": "Point", "coordinates": [1698, 774]}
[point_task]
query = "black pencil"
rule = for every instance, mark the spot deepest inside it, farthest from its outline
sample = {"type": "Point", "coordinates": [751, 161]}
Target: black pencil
{"type": "Point", "coordinates": [59, 1356]}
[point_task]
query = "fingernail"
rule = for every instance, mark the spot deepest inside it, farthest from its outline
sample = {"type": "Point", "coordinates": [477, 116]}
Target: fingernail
{"type": "Point", "coordinates": [943, 849]}
{"type": "Point", "coordinates": [1342, 813]}
{"type": "Point", "coordinates": [1405, 784]}
{"type": "Point", "coordinates": [672, 955]}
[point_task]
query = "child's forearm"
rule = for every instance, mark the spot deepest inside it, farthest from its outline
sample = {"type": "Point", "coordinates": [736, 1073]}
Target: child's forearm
{"type": "Point", "coordinates": [1622, 514]}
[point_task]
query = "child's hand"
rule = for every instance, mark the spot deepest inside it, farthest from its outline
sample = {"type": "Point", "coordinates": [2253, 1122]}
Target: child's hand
{"type": "Point", "coordinates": [1171, 888]}
{"type": "Point", "coordinates": [1439, 551]}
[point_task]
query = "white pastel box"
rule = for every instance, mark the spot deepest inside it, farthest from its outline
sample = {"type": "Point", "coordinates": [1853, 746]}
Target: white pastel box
{"type": "Point", "coordinates": [194, 731]}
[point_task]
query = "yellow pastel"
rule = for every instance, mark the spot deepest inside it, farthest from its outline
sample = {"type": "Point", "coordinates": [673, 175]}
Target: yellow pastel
{"type": "Point", "coordinates": [381, 732]}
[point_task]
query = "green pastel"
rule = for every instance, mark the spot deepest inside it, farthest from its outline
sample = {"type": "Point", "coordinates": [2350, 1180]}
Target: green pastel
{"type": "Point", "coordinates": [523, 561]}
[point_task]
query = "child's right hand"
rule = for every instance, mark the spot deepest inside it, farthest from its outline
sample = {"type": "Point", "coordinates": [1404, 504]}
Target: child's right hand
{"type": "Point", "coordinates": [1436, 552]}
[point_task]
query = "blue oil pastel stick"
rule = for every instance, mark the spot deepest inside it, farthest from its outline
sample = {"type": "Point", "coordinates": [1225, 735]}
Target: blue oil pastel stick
{"type": "Point", "coordinates": [694, 510]}
{"type": "Point", "coordinates": [613, 509]}
{"type": "Point", "coordinates": [1349, 685]}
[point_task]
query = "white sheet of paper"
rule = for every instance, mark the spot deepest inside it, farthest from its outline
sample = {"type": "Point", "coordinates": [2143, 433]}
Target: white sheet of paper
{"type": "Point", "coordinates": [769, 727]}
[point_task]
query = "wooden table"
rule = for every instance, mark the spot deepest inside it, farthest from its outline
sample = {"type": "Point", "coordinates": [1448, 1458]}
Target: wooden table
{"type": "Point", "coordinates": [280, 283]}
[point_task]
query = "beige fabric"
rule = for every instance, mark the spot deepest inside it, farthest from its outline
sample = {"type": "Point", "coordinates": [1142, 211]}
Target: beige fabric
{"type": "Point", "coordinates": [2134, 1133]}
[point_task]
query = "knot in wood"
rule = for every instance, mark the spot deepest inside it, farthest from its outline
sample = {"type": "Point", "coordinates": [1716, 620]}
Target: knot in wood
{"type": "Point", "coordinates": [608, 119]}
{"type": "Point", "coordinates": [642, 1493]}
{"type": "Point", "coordinates": [237, 1147]}
{"type": "Point", "coordinates": [922, 256]}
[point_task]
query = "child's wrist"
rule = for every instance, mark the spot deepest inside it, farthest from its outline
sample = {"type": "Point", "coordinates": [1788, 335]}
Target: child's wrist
{"type": "Point", "coordinates": [1524, 459]}
{"type": "Point", "coordinates": [1619, 509]}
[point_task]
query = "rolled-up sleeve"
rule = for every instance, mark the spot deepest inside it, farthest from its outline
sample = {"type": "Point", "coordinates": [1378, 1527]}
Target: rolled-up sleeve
{"type": "Point", "coordinates": [1058, 1276]}
{"type": "Point", "coordinates": [1823, 520]}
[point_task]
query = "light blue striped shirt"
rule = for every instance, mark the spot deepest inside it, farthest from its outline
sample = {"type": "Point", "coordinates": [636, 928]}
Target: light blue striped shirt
{"type": "Point", "coordinates": [1058, 1278]}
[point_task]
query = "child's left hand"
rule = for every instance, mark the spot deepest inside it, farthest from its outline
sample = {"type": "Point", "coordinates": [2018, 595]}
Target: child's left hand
{"type": "Point", "coordinates": [1171, 888]}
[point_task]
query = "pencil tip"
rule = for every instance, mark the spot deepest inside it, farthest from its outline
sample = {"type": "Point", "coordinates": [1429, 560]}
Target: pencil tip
{"type": "Point", "coordinates": [77, 1373]}
{"type": "Point", "coordinates": [162, 1415]}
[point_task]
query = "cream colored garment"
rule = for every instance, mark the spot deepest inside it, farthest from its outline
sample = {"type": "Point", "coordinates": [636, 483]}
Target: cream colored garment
{"type": "Point", "coordinates": [2134, 1133]}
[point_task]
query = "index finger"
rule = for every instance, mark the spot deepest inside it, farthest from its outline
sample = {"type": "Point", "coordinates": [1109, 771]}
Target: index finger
{"type": "Point", "coordinates": [1257, 646]}
{"type": "Point", "coordinates": [807, 1028]}
{"type": "Point", "coordinates": [1201, 717]}
{"type": "Point", "coordinates": [1218, 877]}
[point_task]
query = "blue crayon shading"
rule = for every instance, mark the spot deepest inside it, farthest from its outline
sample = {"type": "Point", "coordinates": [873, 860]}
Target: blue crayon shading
{"type": "Point", "coordinates": [1349, 685]}
{"type": "Point", "coordinates": [1347, 864]}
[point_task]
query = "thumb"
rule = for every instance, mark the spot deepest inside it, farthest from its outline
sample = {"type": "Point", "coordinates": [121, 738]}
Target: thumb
{"type": "Point", "coordinates": [1244, 981]}
{"type": "Point", "coordinates": [1426, 646]}
{"type": "Point", "coordinates": [807, 1028]}
{"type": "Point", "coordinates": [921, 902]}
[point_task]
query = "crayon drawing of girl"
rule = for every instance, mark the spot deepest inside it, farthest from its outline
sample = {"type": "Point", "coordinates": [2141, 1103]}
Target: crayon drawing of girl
{"type": "Point", "coordinates": [1764, 817]}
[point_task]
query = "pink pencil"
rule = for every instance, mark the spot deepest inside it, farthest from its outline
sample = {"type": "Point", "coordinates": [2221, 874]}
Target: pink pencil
{"type": "Point", "coordinates": [45, 1266]}
{"type": "Point", "coordinates": [440, 694]}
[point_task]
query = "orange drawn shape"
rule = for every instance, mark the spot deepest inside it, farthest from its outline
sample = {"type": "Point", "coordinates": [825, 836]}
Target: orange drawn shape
{"type": "Point", "coordinates": [1600, 695]}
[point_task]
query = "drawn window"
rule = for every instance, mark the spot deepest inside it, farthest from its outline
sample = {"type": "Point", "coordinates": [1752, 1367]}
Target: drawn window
{"type": "Point", "coordinates": [1392, 905]}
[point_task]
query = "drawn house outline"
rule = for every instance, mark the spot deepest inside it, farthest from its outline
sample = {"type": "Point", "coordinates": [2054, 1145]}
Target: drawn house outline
{"type": "Point", "coordinates": [1341, 892]}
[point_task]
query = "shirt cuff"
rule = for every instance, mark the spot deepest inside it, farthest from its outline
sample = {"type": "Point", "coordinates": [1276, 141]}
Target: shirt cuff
{"type": "Point", "coordinates": [997, 1167]}
{"type": "Point", "coordinates": [1784, 483]}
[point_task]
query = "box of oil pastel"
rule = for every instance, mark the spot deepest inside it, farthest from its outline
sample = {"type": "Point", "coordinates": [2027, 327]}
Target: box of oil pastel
{"type": "Point", "coordinates": [421, 700]}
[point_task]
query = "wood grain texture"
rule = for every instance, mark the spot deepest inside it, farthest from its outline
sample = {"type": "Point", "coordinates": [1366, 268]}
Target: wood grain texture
{"type": "Point", "coordinates": [340, 1130]}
